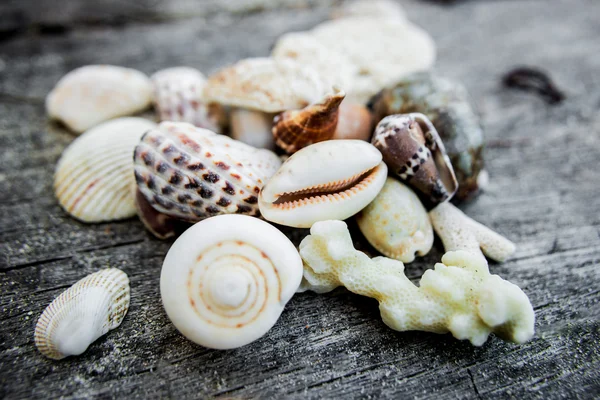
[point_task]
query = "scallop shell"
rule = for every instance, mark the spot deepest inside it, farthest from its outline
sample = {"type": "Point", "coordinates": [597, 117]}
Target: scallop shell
{"type": "Point", "coordinates": [87, 310]}
{"type": "Point", "coordinates": [191, 173]}
{"type": "Point", "coordinates": [226, 280]}
{"type": "Point", "coordinates": [296, 129]}
{"type": "Point", "coordinates": [396, 223]}
{"type": "Point", "coordinates": [355, 121]}
{"type": "Point", "coordinates": [414, 152]}
{"type": "Point", "coordinates": [328, 180]}
{"type": "Point", "coordinates": [94, 176]}
{"type": "Point", "coordinates": [178, 98]}
{"type": "Point", "coordinates": [95, 93]}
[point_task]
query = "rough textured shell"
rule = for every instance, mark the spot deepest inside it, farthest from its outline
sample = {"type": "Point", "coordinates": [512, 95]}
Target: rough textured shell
{"type": "Point", "coordinates": [89, 95]}
{"type": "Point", "coordinates": [332, 179]}
{"type": "Point", "coordinates": [296, 129]}
{"type": "Point", "coordinates": [396, 223]}
{"type": "Point", "coordinates": [94, 176]}
{"type": "Point", "coordinates": [265, 84]}
{"type": "Point", "coordinates": [383, 9]}
{"type": "Point", "coordinates": [192, 173]}
{"type": "Point", "coordinates": [87, 310]}
{"type": "Point", "coordinates": [226, 280]}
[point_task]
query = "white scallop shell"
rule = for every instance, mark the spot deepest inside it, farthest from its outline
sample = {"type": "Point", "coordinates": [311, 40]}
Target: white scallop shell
{"type": "Point", "coordinates": [396, 223]}
{"type": "Point", "coordinates": [226, 280]}
{"type": "Point", "coordinates": [95, 93]}
{"type": "Point", "coordinates": [334, 179]}
{"type": "Point", "coordinates": [87, 310]}
{"type": "Point", "coordinates": [94, 178]}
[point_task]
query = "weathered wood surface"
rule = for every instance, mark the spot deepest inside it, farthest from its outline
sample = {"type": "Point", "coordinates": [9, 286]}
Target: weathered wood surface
{"type": "Point", "coordinates": [544, 194]}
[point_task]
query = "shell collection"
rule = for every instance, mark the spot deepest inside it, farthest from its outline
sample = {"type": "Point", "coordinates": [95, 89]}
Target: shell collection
{"type": "Point", "coordinates": [213, 162]}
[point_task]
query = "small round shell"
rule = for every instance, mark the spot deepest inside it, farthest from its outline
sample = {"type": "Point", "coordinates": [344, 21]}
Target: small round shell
{"type": "Point", "coordinates": [94, 176]}
{"type": "Point", "coordinates": [87, 310]}
{"type": "Point", "coordinates": [355, 121]}
{"type": "Point", "coordinates": [95, 93]}
{"type": "Point", "coordinates": [226, 280]}
{"type": "Point", "coordinates": [396, 223]}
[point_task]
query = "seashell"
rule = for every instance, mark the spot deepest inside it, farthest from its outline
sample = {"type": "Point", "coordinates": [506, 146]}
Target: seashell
{"type": "Point", "coordinates": [178, 98]}
{"type": "Point", "coordinates": [78, 316]}
{"type": "Point", "coordinates": [447, 105]}
{"type": "Point", "coordinates": [94, 176]}
{"type": "Point", "coordinates": [296, 129]}
{"type": "Point", "coordinates": [191, 173]}
{"type": "Point", "coordinates": [252, 127]}
{"type": "Point", "coordinates": [160, 225]}
{"type": "Point", "coordinates": [226, 280]}
{"type": "Point", "coordinates": [413, 151]}
{"type": "Point", "coordinates": [332, 179]}
{"type": "Point", "coordinates": [383, 9]}
{"type": "Point", "coordinates": [355, 121]}
{"type": "Point", "coordinates": [92, 94]}
{"type": "Point", "coordinates": [396, 223]}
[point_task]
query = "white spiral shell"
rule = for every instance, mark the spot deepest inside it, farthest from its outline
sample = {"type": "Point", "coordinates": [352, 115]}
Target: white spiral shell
{"type": "Point", "coordinates": [226, 280]}
{"type": "Point", "coordinates": [87, 310]}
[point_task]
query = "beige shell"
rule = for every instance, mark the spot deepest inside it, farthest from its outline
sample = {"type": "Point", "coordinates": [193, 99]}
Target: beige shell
{"type": "Point", "coordinates": [92, 94]}
{"type": "Point", "coordinates": [355, 121]}
{"type": "Point", "coordinates": [191, 173]}
{"type": "Point", "coordinates": [396, 223]}
{"type": "Point", "coordinates": [265, 84]}
{"type": "Point", "coordinates": [226, 280]}
{"type": "Point", "coordinates": [87, 310]}
{"type": "Point", "coordinates": [94, 176]}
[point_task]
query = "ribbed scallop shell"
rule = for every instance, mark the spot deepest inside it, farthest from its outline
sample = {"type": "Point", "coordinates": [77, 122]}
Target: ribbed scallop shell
{"type": "Point", "coordinates": [178, 98]}
{"type": "Point", "coordinates": [87, 310]}
{"type": "Point", "coordinates": [396, 223]}
{"type": "Point", "coordinates": [225, 281]}
{"type": "Point", "coordinates": [95, 93]}
{"type": "Point", "coordinates": [296, 129]}
{"type": "Point", "coordinates": [192, 173]}
{"type": "Point", "coordinates": [94, 176]}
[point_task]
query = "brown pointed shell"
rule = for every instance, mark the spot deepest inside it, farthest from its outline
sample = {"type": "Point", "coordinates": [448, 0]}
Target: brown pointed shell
{"type": "Point", "coordinates": [414, 152]}
{"type": "Point", "coordinates": [296, 129]}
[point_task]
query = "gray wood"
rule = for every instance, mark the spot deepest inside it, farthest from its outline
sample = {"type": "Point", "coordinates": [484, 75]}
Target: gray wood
{"type": "Point", "coordinates": [544, 194]}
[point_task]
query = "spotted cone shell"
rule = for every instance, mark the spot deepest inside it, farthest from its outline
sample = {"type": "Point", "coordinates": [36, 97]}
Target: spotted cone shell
{"type": "Point", "coordinates": [191, 173]}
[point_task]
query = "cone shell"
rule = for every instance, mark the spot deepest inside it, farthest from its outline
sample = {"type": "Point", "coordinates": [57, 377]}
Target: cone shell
{"type": "Point", "coordinates": [94, 176]}
{"type": "Point", "coordinates": [191, 173]}
{"type": "Point", "coordinates": [225, 281]}
{"type": "Point", "coordinates": [396, 223]}
{"type": "Point", "coordinates": [328, 180]}
{"type": "Point", "coordinates": [296, 129]}
{"type": "Point", "coordinates": [87, 310]}
{"type": "Point", "coordinates": [90, 95]}
{"type": "Point", "coordinates": [414, 152]}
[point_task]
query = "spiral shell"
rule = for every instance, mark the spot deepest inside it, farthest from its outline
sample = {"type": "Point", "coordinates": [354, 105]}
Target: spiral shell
{"type": "Point", "coordinates": [95, 93]}
{"type": "Point", "coordinates": [296, 129]}
{"type": "Point", "coordinates": [87, 310]}
{"type": "Point", "coordinates": [94, 176]}
{"type": "Point", "coordinates": [226, 280]}
{"type": "Point", "coordinates": [191, 173]}
{"type": "Point", "coordinates": [396, 223]}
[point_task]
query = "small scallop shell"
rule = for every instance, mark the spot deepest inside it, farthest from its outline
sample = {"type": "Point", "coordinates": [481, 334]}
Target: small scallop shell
{"type": "Point", "coordinates": [178, 98]}
{"type": "Point", "coordinates": [191, 173]}
{"type": "Point", "coordinates": [396, 223]}
{"type": "Point", "coordinates": [94, 176]}
{"type": "Point", "coordinates": [328, 180]}
{"type": "Point", "coordinates": [296, 129]}
{"type": "Point", "coordinates": [95, 93]}
{"type": "Point", "coordinates": [226, 280]}
{"type": "Point", "coordinates": [87, 310]}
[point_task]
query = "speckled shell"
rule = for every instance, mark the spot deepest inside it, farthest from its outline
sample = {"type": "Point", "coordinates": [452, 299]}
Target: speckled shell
{"type": "Point", "coordinates": [396, 223]}
{"type": "Point", "coordinates": [87, 310]}
{"type": "Point", "coordinates": [447, 105]}
{"type": "Point", "coordinates": [334, 179]}
{"type": "Point", "coordinates": [178, 98]}
{"type": "Point", "coordinates": [94, 176]}
{"type": "Point", "coordinates": [413, 151]}
{"type": "Point", "coordinates": [191, 173]}
{"type": "Point", "coordinates": [226, 280]}
{"type": "Point", "coordinates": [355, 121]}
{"type": "Point", "coordinates": [296, 129]}
{"type": "Point", "coordinates": [95, 93]}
